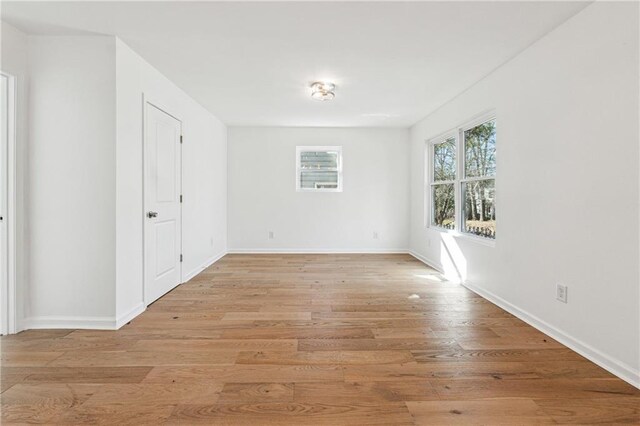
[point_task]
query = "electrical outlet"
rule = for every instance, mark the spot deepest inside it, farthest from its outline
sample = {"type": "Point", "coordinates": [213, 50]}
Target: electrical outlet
{"type": "Point", "coordinates": [271, 235]}
{"type": "Point", "coordinates": [211, 241]}
{"type": "Point", "coordinates": [561, 293]}
{"type": "Point", "coordinates": [375, 235]}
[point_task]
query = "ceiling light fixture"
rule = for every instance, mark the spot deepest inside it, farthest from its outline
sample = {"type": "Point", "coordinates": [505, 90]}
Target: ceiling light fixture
{"type": "Point", "coordinates": [323, 91]}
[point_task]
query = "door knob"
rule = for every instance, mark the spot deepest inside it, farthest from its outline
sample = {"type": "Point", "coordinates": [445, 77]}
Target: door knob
{"type": "Point", "coordinates": [152, 214]}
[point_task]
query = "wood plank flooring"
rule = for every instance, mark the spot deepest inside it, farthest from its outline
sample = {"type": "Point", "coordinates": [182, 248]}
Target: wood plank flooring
{"type": "Point", "coordinates": [310, 339]}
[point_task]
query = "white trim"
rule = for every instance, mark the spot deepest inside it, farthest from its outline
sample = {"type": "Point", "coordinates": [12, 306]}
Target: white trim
{"type": "Point", "coordinates": [300, 149]}
{"type": "Point", "coordinates": [429, 180]}
{"type": "Point", "coordinates": [620, 369]}
{"type": "Point", "coordinates": [430, 263]}
{"type": "Point", "coordinates": [9, 323]}
{"type": "Point", "coordinates": [478, 119]}
{"type": "Point", "coordinates": [489, 242]}
{"type": "Point", "coordinates": [617, 368]}
{"type": "Point", "coordinates": [315, 251]}
{"type": "Point", "coordinates": [97, 323]}
{"type": "Point", "coordinates": [477, 178]}
{"type": "Point", "coordinates": [84, 323]}
{"type": "Point", "coordinates": [127, 317]}
{"type": "Point", "coordinates": [143, 213]}
{"type": "Point", "coordinates": [204, 266]}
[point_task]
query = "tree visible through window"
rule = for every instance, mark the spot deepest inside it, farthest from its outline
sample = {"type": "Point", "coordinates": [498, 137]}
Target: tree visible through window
{"type": "Point", "coordinates": [466, 180]}
{"type": "Point", "coordinates": [443, 186]}
{"type": "Point", "coordinates": [478, 185]}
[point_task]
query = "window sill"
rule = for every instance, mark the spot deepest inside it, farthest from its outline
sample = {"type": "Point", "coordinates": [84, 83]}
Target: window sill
{"type": "Point", "coordinates": [469, 237]}
{"type": "Point", "coordinates": [319, 190]}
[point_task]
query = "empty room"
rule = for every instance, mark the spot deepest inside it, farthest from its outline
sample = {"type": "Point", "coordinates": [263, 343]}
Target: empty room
{"type": "Point", "coordinates": [320, 213]}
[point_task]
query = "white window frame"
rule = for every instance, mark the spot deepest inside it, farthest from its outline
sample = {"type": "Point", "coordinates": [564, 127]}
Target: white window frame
{"type": "Point", "coordinates": [460, 156]}
{"type": "Point", "coordinates": [301, 149]}
{"type": "Point", "coordinates": [430, 181]}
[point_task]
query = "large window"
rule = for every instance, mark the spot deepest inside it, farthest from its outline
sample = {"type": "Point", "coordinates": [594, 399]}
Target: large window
{"type": "Point", "coordinates": [319, 168]}
{"type": "Point", "coordinates": [443, 184]}
{"type": "Point", "coordinates": [461, 187]}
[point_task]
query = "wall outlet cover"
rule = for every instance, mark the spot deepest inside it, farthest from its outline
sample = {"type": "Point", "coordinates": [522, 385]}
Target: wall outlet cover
{"type": "Point", "coordinates": [561, 293]}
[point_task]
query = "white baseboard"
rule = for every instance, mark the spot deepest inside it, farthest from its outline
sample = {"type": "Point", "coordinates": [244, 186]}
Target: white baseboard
{"type": "Point", "coordinates": [623, 371]}
{"type": "Point", "coordinates": [97, 323]}
{"type": "Point", "coordinates": [430, 263]}
{"type": "Point", "coordinates": [85, 323]}
{"type": "Point", "coordinates": [315, 251]}
{"type": "Point", "coordinates": [82, 323]}
{"type": "Point", "coordinates": [204, 266]}
{"type": "Point", "coordinates": [123, 319]}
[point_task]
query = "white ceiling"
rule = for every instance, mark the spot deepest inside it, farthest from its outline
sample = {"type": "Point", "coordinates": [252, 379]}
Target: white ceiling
{"type": "Point", "coordinates": [251, 63]}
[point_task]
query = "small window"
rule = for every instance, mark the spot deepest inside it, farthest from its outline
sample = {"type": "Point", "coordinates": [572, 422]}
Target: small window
{"type": "Point", "coordinates": [461, 184]}
{"type": "Point", "coordinates": [319, 168]}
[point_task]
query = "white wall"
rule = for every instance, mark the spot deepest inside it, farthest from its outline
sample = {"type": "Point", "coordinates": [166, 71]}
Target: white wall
{"type": "Point", "coordinates": [263, 197]}
{"type": "Point", "coordinates": [71, 193]}
{"type": "Point", "coordinates": [85, 215]}
{"type": "Point", "coordinates": [14, 61]}
{"type": "Point", "coordinates": [204, 183]}
{"type": "Point", "coordinates": [567, 186]}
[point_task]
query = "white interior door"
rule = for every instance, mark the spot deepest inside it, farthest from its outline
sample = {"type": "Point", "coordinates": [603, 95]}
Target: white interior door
{"type": "Point", "coordinates": [162, 187]}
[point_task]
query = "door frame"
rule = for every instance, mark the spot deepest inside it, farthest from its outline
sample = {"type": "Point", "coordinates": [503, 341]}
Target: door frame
{"type": "Point", "coordinates": [147, 100]}
{"type": "Point", "coordinates": [8, 320]}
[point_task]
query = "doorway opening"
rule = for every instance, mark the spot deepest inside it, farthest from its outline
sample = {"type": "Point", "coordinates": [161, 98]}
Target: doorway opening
{"type": "Point", "coordinates": [7, 203]}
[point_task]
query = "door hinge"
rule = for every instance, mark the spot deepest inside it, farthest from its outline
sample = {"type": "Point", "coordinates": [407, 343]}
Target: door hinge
{"type": "Point", "coordinates": [180, 138]}
{"type": "Point", "coordinates": [180, 258]}
{"type": "Point", "coordinates": [180, 197]}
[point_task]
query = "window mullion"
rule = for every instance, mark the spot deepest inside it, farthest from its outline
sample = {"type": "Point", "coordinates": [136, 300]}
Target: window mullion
{"type": "Point", "coordinates": [442, 182]}
{"type": "Point", "coordinates": [459, 175]}
{"type": "Point", "coordinates": [478, 178]}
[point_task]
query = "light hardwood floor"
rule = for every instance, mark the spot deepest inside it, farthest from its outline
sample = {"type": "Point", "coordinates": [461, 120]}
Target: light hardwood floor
{"type": "Point", "coordinates": [310, 339]}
